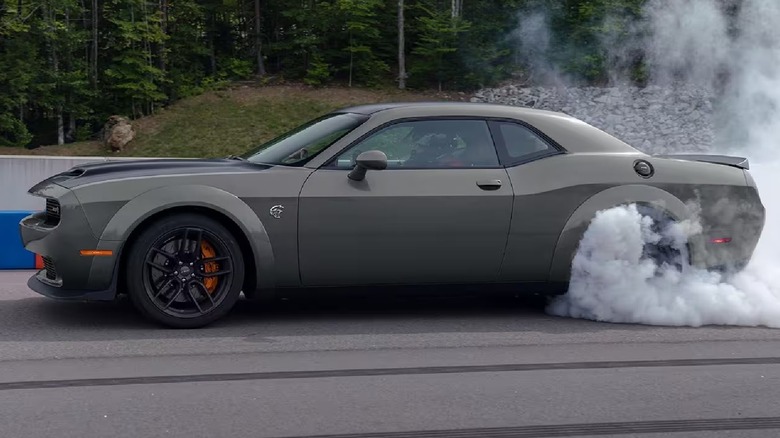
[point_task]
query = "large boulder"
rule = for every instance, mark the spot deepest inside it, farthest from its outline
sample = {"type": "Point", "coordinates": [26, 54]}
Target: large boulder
{"type": "Point", "coordinates": [117, 133]}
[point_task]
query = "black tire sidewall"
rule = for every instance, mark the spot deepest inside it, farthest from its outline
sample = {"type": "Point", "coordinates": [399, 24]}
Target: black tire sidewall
{"type": "Point", "coordinates": [136, 256]}
{"type": "Point", "coordinates": [664, 251]}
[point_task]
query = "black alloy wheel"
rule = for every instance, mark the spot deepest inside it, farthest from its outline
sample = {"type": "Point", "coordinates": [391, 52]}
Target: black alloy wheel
{"type": "Point", "coordinates": [185, 271]}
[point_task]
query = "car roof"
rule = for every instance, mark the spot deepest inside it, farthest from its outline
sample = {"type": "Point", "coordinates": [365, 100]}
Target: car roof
{"type": "Point", "coordinates": [474, 108]}
{"type": "Point", "coordinates": [573, 134]}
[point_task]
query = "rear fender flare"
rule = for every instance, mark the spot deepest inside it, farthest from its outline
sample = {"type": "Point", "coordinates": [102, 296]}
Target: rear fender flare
{"type": "Point", "coordinates": [571, 235]}
{"type": "Point", "coordinates": [147, 204]}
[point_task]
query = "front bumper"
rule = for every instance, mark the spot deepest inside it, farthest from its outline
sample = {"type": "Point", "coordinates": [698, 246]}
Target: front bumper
{"type": "Point", "coordinates": [39, 283]}
{"type": "Point", "coordinates": [67, 274]}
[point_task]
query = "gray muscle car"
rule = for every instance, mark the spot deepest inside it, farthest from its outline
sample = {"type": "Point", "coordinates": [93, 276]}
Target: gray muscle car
{"type": "Point", "coordinates": [379, 195]}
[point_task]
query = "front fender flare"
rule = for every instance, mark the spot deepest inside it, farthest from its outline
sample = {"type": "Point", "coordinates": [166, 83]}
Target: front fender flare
{"type": "Point", "coordinates": [571, 235]}
{"type": "Point", "coordinates": [155, 201]}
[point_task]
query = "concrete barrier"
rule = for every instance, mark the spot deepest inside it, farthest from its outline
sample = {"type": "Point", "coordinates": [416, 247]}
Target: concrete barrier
{"type": "Point", "coordinates": [17, 174]}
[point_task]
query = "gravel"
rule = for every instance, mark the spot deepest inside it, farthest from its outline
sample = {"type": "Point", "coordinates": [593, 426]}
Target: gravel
{"type": "Point", "coordinates": [653, 119]}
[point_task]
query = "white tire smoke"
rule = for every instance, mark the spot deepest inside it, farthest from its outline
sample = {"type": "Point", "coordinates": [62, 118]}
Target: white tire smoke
{"type": "Point", "coordinates": [613, 281]}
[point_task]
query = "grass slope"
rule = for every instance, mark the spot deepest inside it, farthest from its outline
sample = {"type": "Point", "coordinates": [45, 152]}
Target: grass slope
{"type": "Point", "coordinates": [231, 121]}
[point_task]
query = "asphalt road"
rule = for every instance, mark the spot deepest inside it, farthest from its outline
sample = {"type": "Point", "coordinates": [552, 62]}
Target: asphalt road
{"type": "Point", "coordinates": [394, 367]}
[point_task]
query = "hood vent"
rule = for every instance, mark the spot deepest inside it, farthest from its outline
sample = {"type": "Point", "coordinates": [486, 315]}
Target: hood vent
{"type": "Point", "coordinates": [73, 173]}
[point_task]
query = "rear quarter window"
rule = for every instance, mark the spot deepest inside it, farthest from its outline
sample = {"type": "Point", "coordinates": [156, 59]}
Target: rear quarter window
{"type": "Point", "coordinates": [521, 142]}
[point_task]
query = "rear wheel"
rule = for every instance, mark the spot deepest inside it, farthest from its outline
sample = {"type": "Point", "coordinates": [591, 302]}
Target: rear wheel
{"type": "Point", "coordinates": [185, 271]}
{"type": "Point", "coordinates": [666, 251]}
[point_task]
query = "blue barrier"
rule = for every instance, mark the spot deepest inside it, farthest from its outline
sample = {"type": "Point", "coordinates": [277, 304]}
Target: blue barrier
{"type": "Point", "coordinates": [12, 253]}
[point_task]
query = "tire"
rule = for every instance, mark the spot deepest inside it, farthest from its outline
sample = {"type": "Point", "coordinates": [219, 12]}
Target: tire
{"type": "Point", "coordinates": [663, 252]}
{"type": "Point", "coordinates": [186, 285]}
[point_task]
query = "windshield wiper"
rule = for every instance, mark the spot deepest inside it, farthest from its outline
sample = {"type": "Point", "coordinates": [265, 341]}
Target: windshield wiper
{"type": "Point", "coordinates": [235, 157]}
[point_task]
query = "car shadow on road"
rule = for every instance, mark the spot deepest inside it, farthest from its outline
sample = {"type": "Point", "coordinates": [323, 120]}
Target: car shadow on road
{"type": "Point", "coordinates": [42, 319]}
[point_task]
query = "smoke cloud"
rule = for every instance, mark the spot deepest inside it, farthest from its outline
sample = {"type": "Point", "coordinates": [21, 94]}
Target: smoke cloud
{"type": "Point", "coordinates": [686, 41]}
{"type": "Point", "coordinates": [696, 43]}
{"type": "Point", "coordinates": [612, 281]}
{"type": "Point", "coordinates": [534, 39]}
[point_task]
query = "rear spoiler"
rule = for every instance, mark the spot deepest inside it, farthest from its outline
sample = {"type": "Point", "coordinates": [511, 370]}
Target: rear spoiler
{"type": "Point", "coordinates": [726, 160]}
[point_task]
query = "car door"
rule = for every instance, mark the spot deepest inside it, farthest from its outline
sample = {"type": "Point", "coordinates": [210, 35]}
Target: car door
{"type": "Point", "coordinates": [542, 204]}
{"type": "Point", "coordinates": [439, 213]}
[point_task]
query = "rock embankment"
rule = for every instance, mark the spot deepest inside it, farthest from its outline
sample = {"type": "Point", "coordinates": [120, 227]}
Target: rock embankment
{"type": "Point", "coordinates": [653, 119]}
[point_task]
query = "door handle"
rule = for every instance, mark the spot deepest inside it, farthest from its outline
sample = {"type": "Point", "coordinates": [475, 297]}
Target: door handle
{"type": "Point", "coordinates": [489, 184]}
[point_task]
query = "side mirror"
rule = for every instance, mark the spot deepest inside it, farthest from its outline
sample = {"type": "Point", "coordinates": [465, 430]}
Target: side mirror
{"type": "Point", "coordinates": [368, 160]}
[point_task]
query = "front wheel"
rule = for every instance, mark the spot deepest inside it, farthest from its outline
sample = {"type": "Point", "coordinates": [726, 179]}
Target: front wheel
{"type": "Point", "coordinates": [185, 271]}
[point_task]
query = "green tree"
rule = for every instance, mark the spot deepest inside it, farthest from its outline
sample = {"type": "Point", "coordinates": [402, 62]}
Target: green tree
{"type": "Point", "coordinates": [437, 44]}
{"type": "Point", "coordinates": [65, 65]}
{"type": "Point", "coordinates": [131, 75]}
{"type": "Point", "coordinates": [362, 26]}
{"type": "Point", "coordinates": [18, 70]}
{"type": "Point", "coordinates": [581, 30]}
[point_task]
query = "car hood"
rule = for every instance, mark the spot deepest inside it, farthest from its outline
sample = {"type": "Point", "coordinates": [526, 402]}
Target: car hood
{"type": "Point", "coordinates": [114, 170]}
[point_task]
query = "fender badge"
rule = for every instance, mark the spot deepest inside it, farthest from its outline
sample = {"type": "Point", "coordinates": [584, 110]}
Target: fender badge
{"type": "Point", "coordinates": [276, 211]}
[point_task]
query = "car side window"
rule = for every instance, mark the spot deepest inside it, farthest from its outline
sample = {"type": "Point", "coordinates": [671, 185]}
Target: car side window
{"type": "Point", "coordinates": [433, 144]}
{"type": "Point", "coordinates": [521, 142]}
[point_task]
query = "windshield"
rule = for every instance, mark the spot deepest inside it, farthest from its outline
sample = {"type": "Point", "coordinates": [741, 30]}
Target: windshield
{"type": "Point", "coordinates": [303, 143]}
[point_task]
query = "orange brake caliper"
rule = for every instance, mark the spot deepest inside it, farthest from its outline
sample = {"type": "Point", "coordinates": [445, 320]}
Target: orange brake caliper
{"type": "Point", "coordinates": [207, 251]}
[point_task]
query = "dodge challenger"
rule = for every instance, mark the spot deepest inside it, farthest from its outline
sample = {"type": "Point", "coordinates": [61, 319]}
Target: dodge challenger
{"type": "Point", "coordinates": [379, 195]}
